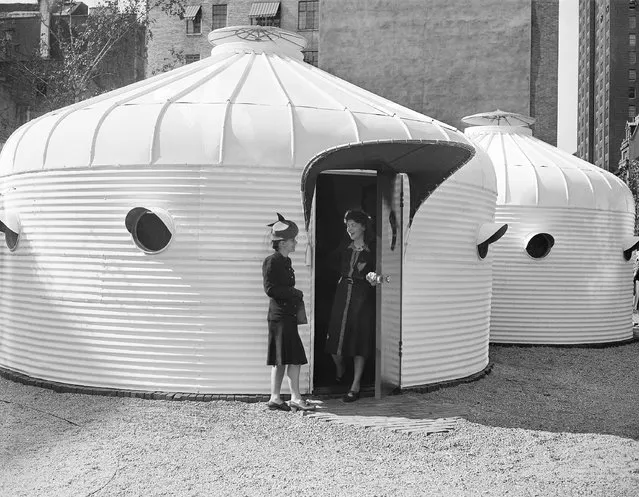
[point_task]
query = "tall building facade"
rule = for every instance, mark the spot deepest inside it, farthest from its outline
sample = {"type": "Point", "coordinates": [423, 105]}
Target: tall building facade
{"type": "Point", "coordinates": [449, 58]}
{"type": "Point", "coordinates": [443, 58]}
{"type": "Point", "coordinates": [607, 80]}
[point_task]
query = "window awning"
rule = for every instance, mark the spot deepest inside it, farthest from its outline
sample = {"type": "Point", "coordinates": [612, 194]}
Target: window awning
{"type": "Point", "coordinates": [191, 11]}
{"type": "Point", "coordinates": [264, 9]}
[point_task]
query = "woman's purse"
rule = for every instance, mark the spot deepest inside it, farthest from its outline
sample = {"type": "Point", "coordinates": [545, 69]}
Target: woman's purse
{"type": "Point", "coordinates": [301, 313]}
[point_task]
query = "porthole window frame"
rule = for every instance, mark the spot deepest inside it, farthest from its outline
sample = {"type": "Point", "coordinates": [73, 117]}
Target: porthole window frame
{"type": "Point", "coordinates": [488, 234]}
{"type": "Point", "coordinates": [133, 217]}
{"type": "Point", "coordinates": [530, 237]}
{"type": "Point", "coordinates": [10, 221]}
{"type": "Point", "coordinates": [630, 245]}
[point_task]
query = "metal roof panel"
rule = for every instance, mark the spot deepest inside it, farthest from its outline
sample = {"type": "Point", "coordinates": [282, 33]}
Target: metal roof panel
{"type": "Point", "coordinates": [264, 9]}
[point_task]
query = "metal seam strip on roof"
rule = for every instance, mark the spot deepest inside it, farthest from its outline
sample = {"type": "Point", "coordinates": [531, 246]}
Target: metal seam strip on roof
{"type": "Point", "coordinates": [264, 9]}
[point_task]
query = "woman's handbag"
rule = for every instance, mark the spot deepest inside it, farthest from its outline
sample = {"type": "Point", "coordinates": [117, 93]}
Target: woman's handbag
{"type": "Point", "coordinates": [301, 313]}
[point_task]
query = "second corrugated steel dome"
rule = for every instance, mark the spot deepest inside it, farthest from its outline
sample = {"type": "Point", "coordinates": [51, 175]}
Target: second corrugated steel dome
{"type": "Point", "coordinates": [580, 289]}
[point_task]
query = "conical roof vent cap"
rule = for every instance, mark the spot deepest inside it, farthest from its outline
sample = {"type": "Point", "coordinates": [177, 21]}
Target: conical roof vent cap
{"type": "Point", "coordinates": [257, 39]}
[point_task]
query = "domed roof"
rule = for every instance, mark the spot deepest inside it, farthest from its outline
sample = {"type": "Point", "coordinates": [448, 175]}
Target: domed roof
{"type": "Point", "coordinates": [253, 102]}
{"type": "Point", "coordinates": [531, 172]}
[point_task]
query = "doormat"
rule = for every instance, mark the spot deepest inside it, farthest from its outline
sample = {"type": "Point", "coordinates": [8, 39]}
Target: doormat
{"type": "Point", "coordinates": [401, 413]}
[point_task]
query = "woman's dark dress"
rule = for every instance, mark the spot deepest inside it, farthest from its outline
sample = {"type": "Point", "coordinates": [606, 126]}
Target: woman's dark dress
{"type": "Point", "coordinates": [284, 343]}
{"type": "Point", "coordinates": [351, 330]}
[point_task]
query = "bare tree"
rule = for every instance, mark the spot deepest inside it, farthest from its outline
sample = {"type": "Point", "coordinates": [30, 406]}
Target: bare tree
{"type": "Point", "coordinates": [629, 173]}
{"type": "Point", "coordinates": [86, 55]}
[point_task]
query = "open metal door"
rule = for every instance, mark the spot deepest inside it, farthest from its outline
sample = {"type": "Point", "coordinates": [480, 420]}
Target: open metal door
{"type": "Point", "coordinates": [389, 290]}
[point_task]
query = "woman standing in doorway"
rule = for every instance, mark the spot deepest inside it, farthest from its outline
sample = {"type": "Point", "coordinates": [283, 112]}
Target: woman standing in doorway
{"type": "Point", "coordinates": [285, 349]}
{"type": "Point", "coordinates": [351, 331]}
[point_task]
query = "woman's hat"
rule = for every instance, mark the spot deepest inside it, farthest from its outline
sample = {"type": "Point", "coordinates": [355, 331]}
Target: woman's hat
{"type": "Point", "coordinates": [283, 229]}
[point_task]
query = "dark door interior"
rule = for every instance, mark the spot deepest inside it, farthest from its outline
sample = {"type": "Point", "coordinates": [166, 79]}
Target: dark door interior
{"type": "Point", "coordinates": [335, 194]}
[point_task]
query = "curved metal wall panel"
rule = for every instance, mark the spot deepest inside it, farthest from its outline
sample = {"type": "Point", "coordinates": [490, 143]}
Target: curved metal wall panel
{"type": "Point", "coordinates": [447, 287]}
{"type": "Point", "coordinates": [581, 292]}
{"type": "Point", "coordinates": [81, 304]}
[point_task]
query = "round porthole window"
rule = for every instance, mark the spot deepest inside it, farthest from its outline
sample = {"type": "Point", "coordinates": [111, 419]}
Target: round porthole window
{"type": "Point", "coordinates": [151, 229]}
{"type": "Point", "coordinates": [11, 227]}
{"type": "Point", "coordinates": [539, 245]}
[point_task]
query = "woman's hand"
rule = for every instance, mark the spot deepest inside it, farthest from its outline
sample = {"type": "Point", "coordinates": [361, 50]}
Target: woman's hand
{"type": "Point", "coordinates": [372, 278]}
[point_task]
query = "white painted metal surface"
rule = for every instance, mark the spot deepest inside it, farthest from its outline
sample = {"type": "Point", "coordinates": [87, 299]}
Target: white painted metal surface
{"type": "Point", "coordinates": [220, 145]}
{"type": "Point", "coordinates": [581, 292]}
{"type": "Point", "coordinates": [208, 111]}
{"type": "Point", "coordinates": [389, 290]}
{"type": "Point", "coordinates": [81, 304]}
{"type": "Point", "coordinates": [447, 287]}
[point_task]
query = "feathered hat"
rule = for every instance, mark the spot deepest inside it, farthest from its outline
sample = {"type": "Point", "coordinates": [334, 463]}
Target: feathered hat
{"type": "Point", "coordinates": [283, 229]}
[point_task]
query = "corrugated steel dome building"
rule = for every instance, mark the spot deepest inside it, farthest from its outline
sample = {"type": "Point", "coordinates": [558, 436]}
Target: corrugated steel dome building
{"type": "Point", "coordinates": [562, 273]}
{"type": "Point", "coordinates": [136, 221]}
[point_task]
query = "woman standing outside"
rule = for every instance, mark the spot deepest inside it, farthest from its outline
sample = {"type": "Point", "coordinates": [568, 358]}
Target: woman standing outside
{"type": "Point", "coordinates": [285, 349]}
{"type": "Point", "coordinates": [351, 330]}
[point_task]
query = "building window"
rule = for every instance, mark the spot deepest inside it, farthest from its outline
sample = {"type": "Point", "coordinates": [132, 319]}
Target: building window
{"type": "Point", "coordinates": [632, 58]}
{"type": "Point", "coordinates": [632, 22]}
{"type": "Point", "coordinates": [310, 57]}
{"type": "Point", "coordinates": [265, 14]}
{"type": "Point", "coordinates": [632, 112]}
{"type": "Point", "coordinates": [193, 17]}
{"type": "Point", "coordinates": [308, 15]}
{"type": "Point", "coordinates": [192, 57]}
{"type": "Point", "coordinates": [632, 93]}
{"type": "Point", "coordinates": [266, 21]}
{"type": "Point", "coordinates": [219, 16]}
{"type": "Point", "coordinates": [632, 40]}
{"type": "Point", "coordinates": [632, 74]}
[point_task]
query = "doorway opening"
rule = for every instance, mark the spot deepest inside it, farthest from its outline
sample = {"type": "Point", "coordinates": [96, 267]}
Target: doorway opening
{"type": "Point", "coordinates": [335, 193]}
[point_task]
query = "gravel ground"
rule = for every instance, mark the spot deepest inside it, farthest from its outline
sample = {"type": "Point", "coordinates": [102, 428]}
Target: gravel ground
{"type": "Point", "coordinates": [546, 422]}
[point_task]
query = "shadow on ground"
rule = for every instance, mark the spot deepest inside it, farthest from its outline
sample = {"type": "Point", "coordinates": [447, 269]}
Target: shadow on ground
{"type": "Point", "coordinates": [576, 390]}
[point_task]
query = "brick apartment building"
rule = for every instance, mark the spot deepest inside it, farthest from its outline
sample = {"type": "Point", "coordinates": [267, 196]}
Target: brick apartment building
{"type": "Point", "coordinates": [444, 58]}
{"type": "Point", "coordinates": [607, 78]}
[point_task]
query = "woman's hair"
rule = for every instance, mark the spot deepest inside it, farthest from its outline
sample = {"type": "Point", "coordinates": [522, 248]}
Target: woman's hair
{"type": "Point", "coordinates": [276, 243]}
{"type": "Point", "coordinates": [360, 217]}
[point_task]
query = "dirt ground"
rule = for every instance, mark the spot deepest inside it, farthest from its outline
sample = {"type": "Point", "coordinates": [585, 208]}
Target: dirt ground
{"type": "Point", "coordinates": [545, 422]}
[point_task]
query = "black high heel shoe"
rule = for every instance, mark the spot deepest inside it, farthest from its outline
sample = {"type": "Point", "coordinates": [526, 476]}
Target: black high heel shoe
{"type": "Point", "coordinates": [274, 406]}
{"type": "Point", "coordinates": [351, 396]}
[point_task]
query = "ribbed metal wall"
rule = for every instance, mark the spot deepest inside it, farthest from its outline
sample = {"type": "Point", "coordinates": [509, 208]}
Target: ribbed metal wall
{"type": "Point", "coordinates": [446, 287]}
{"type": "Point", "coordinates": [81, 304]}
{"type": "Point", "coordinates": [580, 293]}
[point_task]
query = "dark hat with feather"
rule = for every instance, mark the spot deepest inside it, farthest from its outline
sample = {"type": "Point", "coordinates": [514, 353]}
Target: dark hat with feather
{"type": "Point", "coordinates": [283, 229]}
